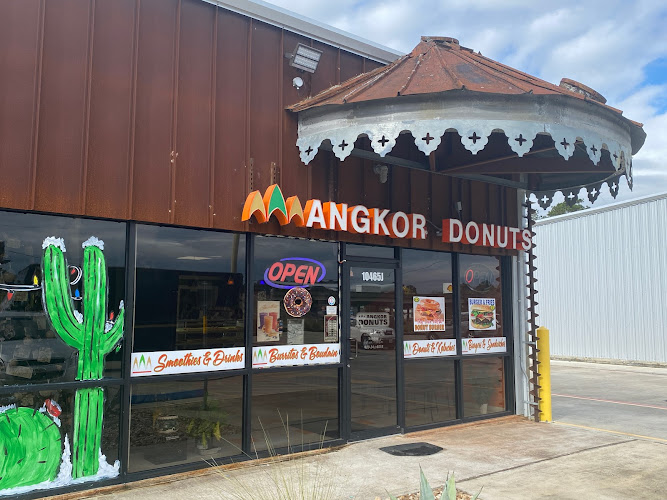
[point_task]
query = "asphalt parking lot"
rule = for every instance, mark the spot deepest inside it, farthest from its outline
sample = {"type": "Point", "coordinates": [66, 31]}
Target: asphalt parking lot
{"type": "Point", "coordinates": [625, 399]}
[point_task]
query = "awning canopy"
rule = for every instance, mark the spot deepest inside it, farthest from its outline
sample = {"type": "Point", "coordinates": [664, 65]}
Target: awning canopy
{"type": "Point", "coordinates": [474, 118]}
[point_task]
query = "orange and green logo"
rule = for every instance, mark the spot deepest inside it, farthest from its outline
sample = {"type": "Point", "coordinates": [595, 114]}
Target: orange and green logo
{"type": "Point", "coordinates": [273, 203]}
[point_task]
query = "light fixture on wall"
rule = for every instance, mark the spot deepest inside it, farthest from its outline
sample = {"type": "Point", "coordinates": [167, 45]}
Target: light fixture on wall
{"type": "Point", "coordinates": [381, 171]}
{"type": "Point", "coordinates": [304, 58]}
{"type": "Point", "coordinates": [297, 82]}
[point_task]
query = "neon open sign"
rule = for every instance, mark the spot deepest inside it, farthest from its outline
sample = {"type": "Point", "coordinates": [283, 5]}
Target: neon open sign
{"type": "Point", "coordinates": [294, 271]}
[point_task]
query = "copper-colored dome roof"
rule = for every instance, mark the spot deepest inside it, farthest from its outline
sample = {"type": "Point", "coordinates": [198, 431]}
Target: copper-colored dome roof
{"type": "Point", "coordinates": [436, 65]}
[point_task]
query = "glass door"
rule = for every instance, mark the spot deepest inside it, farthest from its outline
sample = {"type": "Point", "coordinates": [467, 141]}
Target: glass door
{"type": "Point", "coordinates": [372, 349]}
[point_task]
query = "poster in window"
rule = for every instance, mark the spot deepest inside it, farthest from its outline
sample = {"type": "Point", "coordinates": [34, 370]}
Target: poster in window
{"type": "Point", "coordinates": [428, 314]}
{"type": "Point", "coordinates": [268, 321]}
{"type": "Point", "coordinates": [482, 314]}
{"type": "Point", "coordinates": [295, 331]}
{"type": "Point", "coordinates": [331, 328]}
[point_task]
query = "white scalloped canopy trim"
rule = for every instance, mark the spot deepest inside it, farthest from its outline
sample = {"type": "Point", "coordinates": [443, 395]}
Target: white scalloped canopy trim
{"type": "Point", "coordinates": [474, 137]}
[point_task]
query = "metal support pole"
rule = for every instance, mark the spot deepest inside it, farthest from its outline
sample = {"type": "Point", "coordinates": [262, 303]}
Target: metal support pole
{"type": "Point", "coordinates": [544, 376]}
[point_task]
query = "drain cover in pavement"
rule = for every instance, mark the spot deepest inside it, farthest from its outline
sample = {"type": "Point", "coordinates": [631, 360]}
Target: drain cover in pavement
{"type": "Point", "coordinates": [412, 449]}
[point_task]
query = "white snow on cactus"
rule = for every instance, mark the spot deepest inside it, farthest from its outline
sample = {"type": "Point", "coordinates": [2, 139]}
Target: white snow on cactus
{"type": "Point", "coordinates": [56, 242]}
{"type": "Point", "coordinates": [78, 316]}
{"type": "Point", "coordinates": [3, 409]}
{"type": "Point", "coordinates": [93, 241]}
{"type": "Point", "coordinates": [121, 305]}
{"type": "Point", "coordinates": [64, 477]}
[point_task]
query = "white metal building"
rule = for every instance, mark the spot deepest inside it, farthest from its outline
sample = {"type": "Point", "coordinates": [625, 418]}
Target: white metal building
{"type": "Point", "coordinates": [603, 281]}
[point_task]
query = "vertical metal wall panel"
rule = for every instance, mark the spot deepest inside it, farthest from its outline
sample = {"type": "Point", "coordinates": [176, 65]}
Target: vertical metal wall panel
{"type": "Point", "coordinates": [62, 112]}
{"type": "Point", "coordinates": [154, 97]}
{"type": "Point", "coordinates": [107, 166]}
{"type": "Point", "coordinates": [193, 121]}
{"type": "Point", "coordinates": [20, 46]}
{"type": "Point", "coordinates": [602, 282]}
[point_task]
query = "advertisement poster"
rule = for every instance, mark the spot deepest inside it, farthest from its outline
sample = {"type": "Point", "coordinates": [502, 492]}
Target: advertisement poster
{"type": "Point", "coordinates": [295, 331]}
{"type": "Point", "coordinates": [268, 321]}
{"type": "Point", "coordinates": [482, 314]}
{"type": "Point", "coordinates": [331, 328]}
{"type": "Point", "coordinates": [429, 348]}
{"type": "Point", "coordinates": [483, 345]}
{"type": "Point", "coordinates": [295, 355]}
{"type": "Point", "coordinates": [147, 364]}
{"type": "Point", "coordinates": [428, 314]}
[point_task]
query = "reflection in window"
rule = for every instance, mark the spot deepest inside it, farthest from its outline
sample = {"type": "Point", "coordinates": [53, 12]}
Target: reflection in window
{"type": "Point", "coordinates": [185, 421]}
{"type": "Point", "coordinates": [481, 296]}
{"type": "Point", "coordinates": [294, 282]}
{"type": "Point", "coordinates": [483, 386]}
{"type": "Point", "coordinates": [430, 392]}
{"type": "Point", "coordinates": [30, 350]}
{"type": "Point", "coordinates": [293, 408]}
{"type": "Point", "coordinates": [429, 275]}
{"type": "Point", "coordinates": [190, 289]}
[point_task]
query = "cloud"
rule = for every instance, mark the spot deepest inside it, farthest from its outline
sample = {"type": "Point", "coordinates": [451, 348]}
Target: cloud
{"type": "Point", "coordinates": [605, 44]}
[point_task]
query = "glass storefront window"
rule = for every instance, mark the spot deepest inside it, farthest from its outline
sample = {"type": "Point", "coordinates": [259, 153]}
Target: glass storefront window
{"type": "Point", "coordinates": [295, 286]}
{"type": "Point", "coordinates": [428, 311]}
{"type": "Point", "coordinates": [30, 349]}
{"type": "Point", "coordinates": [293, 408]}
{"type": "Point", "coordinates": [483, 386]}
{"type": "Point", "coordinates": [430, 392]}
{"type": "Point", "coordinates": [180, 422]}
{"type": "Point", "coordinates": [190, 289]}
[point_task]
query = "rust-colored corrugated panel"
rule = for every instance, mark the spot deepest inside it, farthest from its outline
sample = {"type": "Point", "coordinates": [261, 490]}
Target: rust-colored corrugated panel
{"type": "Point", "coordinates": [350, 189]}
{"type": "Point", "coordinates": [63, 112]}
{"type": "Point", "coordinates": [370, 65]}
{"type": "Point", "coordinates": [375, 195]}
{"type": "Point", "coordinates": [111, 86]}
{"type": "Point", "coordinates": [231, 120]}
{"type": "Point", "coordinates": [265, 100]}
{"type": "Point", "coordinates": [441, 208]}
{"type": "Point", "coordinates": [420, 203]}
{"type": "Point", "coordinates": [151, 183]}
{"type": "Point", "coordinates": [20, 46]}
{"type": "Point", "coordinates": [194, 113]}
{"type": "Point", "coordinates": [400, 196]}
{"type": "Point", "coordinates": [351, 65]}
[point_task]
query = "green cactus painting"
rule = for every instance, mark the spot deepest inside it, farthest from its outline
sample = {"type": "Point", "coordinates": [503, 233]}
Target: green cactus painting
{"type": "Point", "coordinates": [91, 333]}
{"type": "Point", "coordinates": [31, 447]}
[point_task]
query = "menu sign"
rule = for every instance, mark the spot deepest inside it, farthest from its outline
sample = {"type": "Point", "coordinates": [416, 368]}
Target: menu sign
{"type": "Point", "coordinates": [483, 345]}
{"type": "Point", "coordinates": [295, 355]}
{"type": "Point", "coordinates": [429, 348]}
{"type": "Point", "coordinates": [481, 314]}
{"type": "Point", "coordinates": [428, 314]}
{"type": "Point", "coordinates": [268, 321]}
{"type": "Point", "coordinates": [147, 364]}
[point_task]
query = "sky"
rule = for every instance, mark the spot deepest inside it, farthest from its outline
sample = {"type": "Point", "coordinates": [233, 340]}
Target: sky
{"type": "Point", "coordinates": [617, 47]}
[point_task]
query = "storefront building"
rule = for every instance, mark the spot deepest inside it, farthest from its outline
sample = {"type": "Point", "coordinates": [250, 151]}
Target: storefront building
{"type": "Point", "coordinates": [207, 252]}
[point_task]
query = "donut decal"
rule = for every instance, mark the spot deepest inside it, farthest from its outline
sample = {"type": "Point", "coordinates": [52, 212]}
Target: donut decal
{"type": "Point", "coordinates": [298, 302]}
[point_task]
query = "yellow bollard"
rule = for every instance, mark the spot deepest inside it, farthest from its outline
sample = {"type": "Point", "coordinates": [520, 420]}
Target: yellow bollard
{"type": "Point", "coordinates": [544, 377]}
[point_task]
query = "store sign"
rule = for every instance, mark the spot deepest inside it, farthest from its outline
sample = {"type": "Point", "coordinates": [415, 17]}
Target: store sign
{"type": "Point", "coordinates": [486, 235]}
{"type": "Point", "coordinates": [483, 345]}
{"type": "Point", "coordinates": [369, 319]}
{"type": "Point", "coordinates": [147, 364]}
{"type": "Point", "coordinates": [291, 272]}
{"type": "Point", "coordinates": [332, 216]}
{"type": "Point", "coordinates": [295, 355]}
{"type": "Point", "coordinates": [429, 348]}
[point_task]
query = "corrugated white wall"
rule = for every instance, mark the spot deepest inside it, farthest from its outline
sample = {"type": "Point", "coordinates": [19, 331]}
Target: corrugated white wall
{"type": "Point", "coordinates": [603, 281]}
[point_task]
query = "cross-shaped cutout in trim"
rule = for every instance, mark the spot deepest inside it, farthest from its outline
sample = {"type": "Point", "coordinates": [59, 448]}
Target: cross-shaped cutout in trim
{"type": "Point", "coordinates": [309, 150]}
{"type": "Point", "coordinates": [594, 149]}
{"type": "Point", "coordinates": [428, 138]}
{"type": "Point", "coordinates": [383, 141]}
{"type": "Point", "coordinates": [565, 144]}
{"type": "Point", "coordinates": [474, 137]}
{"type": "Point", "coordinates": [545, 199]}
{"type": "Point", "coordinates": [343, 144]}
{"type": "Point", "coordinates": [521, 139]}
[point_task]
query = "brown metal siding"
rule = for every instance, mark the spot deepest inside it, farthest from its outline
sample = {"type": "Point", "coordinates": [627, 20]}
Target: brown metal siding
{"type": "Point", "coordinates": [170, 111]}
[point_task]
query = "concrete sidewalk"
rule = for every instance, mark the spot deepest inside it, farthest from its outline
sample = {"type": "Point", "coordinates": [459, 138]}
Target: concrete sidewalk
{"type": "Point", "coordinates": [512, 458]}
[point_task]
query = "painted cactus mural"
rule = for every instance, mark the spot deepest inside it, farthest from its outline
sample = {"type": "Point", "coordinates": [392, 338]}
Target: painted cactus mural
{"type": "Point", "coordinates": [31, 445]}
{"type": "Point", "coordinates": [91, 333]}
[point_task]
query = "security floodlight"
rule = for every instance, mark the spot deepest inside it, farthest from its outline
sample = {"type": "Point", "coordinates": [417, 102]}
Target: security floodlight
{"type": "Point", "coordinates": [305, 58]}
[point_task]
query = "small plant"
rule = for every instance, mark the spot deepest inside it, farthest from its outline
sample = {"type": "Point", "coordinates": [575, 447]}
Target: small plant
{"type": "Point", "coordinates": [448, 491]}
